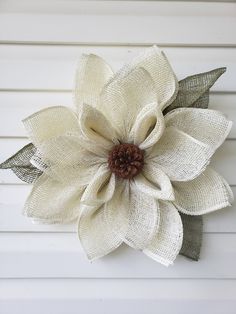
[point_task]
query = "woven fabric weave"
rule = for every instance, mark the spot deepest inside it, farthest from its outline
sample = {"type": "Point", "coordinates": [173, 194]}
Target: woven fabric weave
{"type": "Point", "coordinates": [127, 108]}
{"type": "Point", "coordinates": [194, 90]}
{"type": "Point", "coordinates": [192, 239]}
{"type": "Point", "coordinates": [20, 164]}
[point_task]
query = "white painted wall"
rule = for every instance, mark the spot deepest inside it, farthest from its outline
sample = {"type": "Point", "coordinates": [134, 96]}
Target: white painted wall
{"type": "Point", "coordinates": [43, 268]}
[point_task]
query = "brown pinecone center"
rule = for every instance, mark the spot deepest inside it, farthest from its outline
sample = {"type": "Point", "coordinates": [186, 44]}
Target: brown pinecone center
{"type": "Point", "coordinates": [126, 160]}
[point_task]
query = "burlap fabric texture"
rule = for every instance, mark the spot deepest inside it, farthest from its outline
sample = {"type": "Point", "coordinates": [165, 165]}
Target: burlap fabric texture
{"type": "Point", "coordinates": [159, 210]}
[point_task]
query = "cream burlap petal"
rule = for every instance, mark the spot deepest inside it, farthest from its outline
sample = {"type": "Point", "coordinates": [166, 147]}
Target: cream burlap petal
{"type": "Point", "coordinates": [68, 150]}
{"type": "Point", "coordinates": [154, 182]}
{"type": "Point", "coordinates": [49, 123]}
{"type": "Point", "coordinates": [206, 193]}
{"type": "Point", "coordinates": [148, 127]}
{"type": "Point", "coordinates": [91, 76]}
{"type": "Point", "coordinates": [96, 130]}
{"type": "Point", "coordinates": [80, 174]}
{"type": "Point", "coordinates": [64, 159]}
{"type": "Point", "coordinates": [154, 61]}
{"type": "Point", "coordinates": [130, 216]}
{"type": "Point", "coordinates": [143, 218]}
{"type": "Point", "coordinates": [101, 188]}
{"type": "Point", "coordinates": [123, 97]}
{"type": "Point", "coordinates": [53, 201]}
{"type": "Point", "coordinates": [167, 241]}
{"type": "Point", "coordinates": [102, 229]}
{"type": "Point", "coordinates": [208, 126]}
{"type": "Point", "coordinates": [63, 150]}
{"type": "Point", "coordinates": [179, 155]}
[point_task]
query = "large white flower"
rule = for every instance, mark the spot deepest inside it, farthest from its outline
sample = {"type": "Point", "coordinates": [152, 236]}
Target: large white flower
{"type": "Point", "coordinates": [119, 166]}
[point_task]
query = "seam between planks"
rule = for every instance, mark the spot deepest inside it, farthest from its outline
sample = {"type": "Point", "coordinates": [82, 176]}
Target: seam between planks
{"type": "Point", "coordinates": [108, 44]}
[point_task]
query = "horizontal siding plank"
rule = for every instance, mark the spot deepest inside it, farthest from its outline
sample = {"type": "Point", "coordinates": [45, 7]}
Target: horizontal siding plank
{"type": "Point", "coordinates": [15, 106]}
{"type": "Point", "coordinates": [132, 22]}
{"type": "Point", "coordinates": [53, 67]}
{"type": "Point", "coordinates": [107, 7]}
{"type": "Point", "coordinates": [12, 220]}
{"type": "Point", "coordinates": [223, 161]}
{"type": "Point", "coordinates": [117, 306]}
{"type": "Point", "coordinates": [23, 104]}
{"type": "Point", "coordinates": [60, 256]}
{"type": "Point", "coordinates": [117, 296]}
{"type": "Point", "coordinates": [144, 289]}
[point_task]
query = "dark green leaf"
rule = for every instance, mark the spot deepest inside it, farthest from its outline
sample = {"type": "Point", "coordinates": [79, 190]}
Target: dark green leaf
{"type": "Point", "coordinates": [194, 90]}
{"type": "Point", "coordinates": [192, 238]}
{"type": "Point", "coordinates": [21, 166]}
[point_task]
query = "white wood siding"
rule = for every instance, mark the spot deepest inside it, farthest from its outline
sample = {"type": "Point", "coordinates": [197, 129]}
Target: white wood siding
{"type": "Point", "coordinates": [42, 267]}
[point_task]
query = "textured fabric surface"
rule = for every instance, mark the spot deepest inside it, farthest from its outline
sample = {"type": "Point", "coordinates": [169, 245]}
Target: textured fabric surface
{"type": "Point", "coordinates": [154, 182]}
{"type": "Point", "coordinates": [101, 229]}
{"type": "Point", "coordinates": [53, 201]}
{"type": "Point", "coordinates": [143, 218]}
{"type": "Point", "coordinates": [130, 216]}
{"type": "Point", "coordinates": [101, 187]}
{"type": "Point", "coordinates": [91, 76]}
{"type": "Point", "coordinates": [96, 131]}
{"type": "Point", "coordinates": [20, 164]}
{"type": "Point", "coordinates": [179, 155]}
{"type": "Point", "coordinates": [209, 127]}
{"type": "Point", "coordinates": [50, 123]}
{"type": "Point", "coordinates": [148, 127]}
{"type": "Point", "coordinates": [206, 193]}
{"type": "Point", "coordinates": [154, 61]}
{"type": "Point", "coordinates": [192, 236]}
{"type": "Point", "coordinates": [189, 141]}
{"type": "Point", "coordinates": [194, 90]}
{"type": "Point", "coordinates": [127, 108]}
{"type": "Point", "coordinates": [123, 97]}
{"type": "Point", "coordinates": [167, 241]}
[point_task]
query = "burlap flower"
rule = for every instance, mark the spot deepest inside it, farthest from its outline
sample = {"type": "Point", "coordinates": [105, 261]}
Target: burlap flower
{"type": "Point", "coordinates": [120, 167]}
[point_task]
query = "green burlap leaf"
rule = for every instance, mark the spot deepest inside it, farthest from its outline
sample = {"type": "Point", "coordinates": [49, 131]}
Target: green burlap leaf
{"type": "Point", "coordinates": [192, 239]}
{"type": "Point", "coordinates": [194, 90]}
{"type": "Point", "coordinates": [21, 166]}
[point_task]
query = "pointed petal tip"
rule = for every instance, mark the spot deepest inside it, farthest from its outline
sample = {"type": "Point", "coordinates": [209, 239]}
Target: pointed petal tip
{"type": "Point", "coordinates": [42, 111]}
{"type": "Point", "coordinates": [94, 257]}
{"type": "Point", "coordinates": [91, 75]}
{"type": "Point", "coordinates": [222, 70]}
{"type": "Point", "coordinates": [167, 243]}
{"type": "Point", "coordinates": [200, 200]}
{"type": "Point", "coordinates": [158, 259]}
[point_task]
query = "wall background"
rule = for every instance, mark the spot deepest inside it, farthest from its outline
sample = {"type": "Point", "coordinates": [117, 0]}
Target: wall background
{"type": "Point", "coordinates": [42, 268]}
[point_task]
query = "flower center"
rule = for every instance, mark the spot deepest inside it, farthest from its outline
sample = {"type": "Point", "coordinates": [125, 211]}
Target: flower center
{"type": "Point", "coordinates": [126, 160]}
